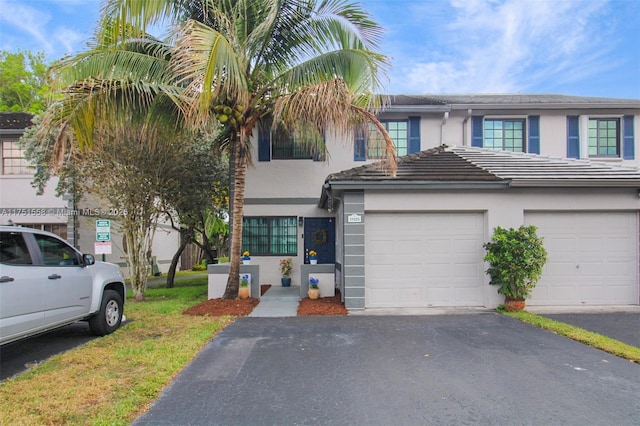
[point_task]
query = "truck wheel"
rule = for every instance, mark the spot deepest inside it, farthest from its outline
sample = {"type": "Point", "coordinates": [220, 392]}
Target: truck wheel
{"type": "Point", "coordinates": [108, 318]}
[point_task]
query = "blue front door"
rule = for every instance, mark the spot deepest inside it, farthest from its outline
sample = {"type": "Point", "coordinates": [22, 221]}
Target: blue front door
{"type": "Point", "coordinates": [320, 235]}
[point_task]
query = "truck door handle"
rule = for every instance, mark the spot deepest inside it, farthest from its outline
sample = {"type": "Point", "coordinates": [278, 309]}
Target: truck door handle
{"type": "Point", "coordinates": [54, 277]}
{"type": "Point", "coordinates": [6, 279]}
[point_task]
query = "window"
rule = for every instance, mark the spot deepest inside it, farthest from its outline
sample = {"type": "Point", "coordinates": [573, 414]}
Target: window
{"type": "Point", "coordinates": [604, 137]}
{"type": "Point", "coordinates": [507, 135]}
{"type": "Point", "coordinates": [296, 145]}
{"type": "Point", "coordinates": [399, 133]}
{"type": "Point", "coordinates": [60, 229]}
{"type": "Point", "coordinates": [270, 236]}
{"type": "Point", "coordinates": [56, 252]}
{"type": "Point", "coordinates": [13, 249]}
{"type": "Point", "coordinates": [13, 161]}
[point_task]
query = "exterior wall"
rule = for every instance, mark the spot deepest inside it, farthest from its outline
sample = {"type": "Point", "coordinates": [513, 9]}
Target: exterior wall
{"type": "Point", "coordinates": [353, 268]}
{"type": "Point", "coordinates": [504, 208]}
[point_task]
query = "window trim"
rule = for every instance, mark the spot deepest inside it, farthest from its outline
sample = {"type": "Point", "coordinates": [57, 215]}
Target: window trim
{"type": "Point", "coordinates": [251, 247]}
{"type": "Point", "coordinates": [524, 119]}
{"type": "Point", "coordinates": [24, 166]}
{"type": "Point", "coordinates": [619, 123]}
{"type": "Point", "coordinates": [385, 122]}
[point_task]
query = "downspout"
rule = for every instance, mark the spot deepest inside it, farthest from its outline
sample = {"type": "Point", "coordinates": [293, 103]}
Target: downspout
{"type": "Point", "coordinates": [442, 127]}
{"type": "Point", "coordinates": [464, 128]}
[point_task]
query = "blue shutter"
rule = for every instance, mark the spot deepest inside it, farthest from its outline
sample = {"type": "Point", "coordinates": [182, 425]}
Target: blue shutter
{"type": "Point", "coordinates": [360, 146]}
{"type": "Point", "coordinates": [628, 142]}
{"type": "Point", "coordinates": [477, 123]}
{"type": "Point", "coordinates": [573, 136]}
{"type": "Point", "coordinates": [264, 142]}
{"type": "Point", "coordinates": [414, 135]}
{"type": "Point", "coordinates": [534, 134]}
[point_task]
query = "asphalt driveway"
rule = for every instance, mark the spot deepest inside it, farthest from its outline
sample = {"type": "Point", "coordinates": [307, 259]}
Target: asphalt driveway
{"type": "Point", "coordinates": [401, 370]}
{"type": "Point", "coordinates": [624, 327]}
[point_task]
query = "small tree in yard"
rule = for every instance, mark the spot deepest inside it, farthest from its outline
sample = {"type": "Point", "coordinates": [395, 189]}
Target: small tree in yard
{"type": "Point", "coordinates": [517, 257]}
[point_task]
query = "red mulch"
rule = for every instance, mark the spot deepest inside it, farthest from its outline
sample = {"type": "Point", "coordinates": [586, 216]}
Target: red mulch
{"type": "Point", "coordinates": [219, 307]}
{"type": "Point", "coordinates": [322, 306]}
{"type": "Point", "coordinates": [243, 307]}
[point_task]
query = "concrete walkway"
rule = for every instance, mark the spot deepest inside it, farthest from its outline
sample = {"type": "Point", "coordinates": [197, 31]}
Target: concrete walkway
{"type": "Point", "coordinates": [278, 302]}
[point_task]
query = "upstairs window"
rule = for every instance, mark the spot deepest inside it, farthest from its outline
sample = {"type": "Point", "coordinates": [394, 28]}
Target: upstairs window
{"type": "Point", "coordinates": [399, 133]}
{"type": "Point", "coordinates": [270, 235]}
{"type": "Point", "coordinates": [507, 135]}
{"type": "Point", "coordinates": [13, 161]}
{"type": "Point", "coordinates": [296, 145]}
{"type": "Point", "coordinates": [604, 137]}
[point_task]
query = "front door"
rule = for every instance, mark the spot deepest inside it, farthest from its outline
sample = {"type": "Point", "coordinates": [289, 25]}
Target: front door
{"type": "Point", "coordinates": [320, 235]}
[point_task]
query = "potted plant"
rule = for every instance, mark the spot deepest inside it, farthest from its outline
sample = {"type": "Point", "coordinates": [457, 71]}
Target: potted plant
{"type": "Point", "coordinates": [313, 257]}
{"type": "Point", "coordinates": [314, 290]}
{"type": "Point", "coordinates": [246, 257]}
{"type": "Point", "coordinates": [243, 291]}
{"type": "Point", "coordinates": [517, 257]}
{"type": "Point", "coordinates": [286, 265]}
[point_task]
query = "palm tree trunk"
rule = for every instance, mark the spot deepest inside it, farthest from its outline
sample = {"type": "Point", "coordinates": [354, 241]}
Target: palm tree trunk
{"type": "Point", "coordinates": [240, 172]}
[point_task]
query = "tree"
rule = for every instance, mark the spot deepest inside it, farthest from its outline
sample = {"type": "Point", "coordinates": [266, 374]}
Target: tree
{"type": "Point", "coordinates": [23, 82]}
{"type": "Point", "coordinates": [117, 134]}
{"type": "Point", "coordinates": [196, 196]}
{"type": "Point", "coordinates": [308, 63]}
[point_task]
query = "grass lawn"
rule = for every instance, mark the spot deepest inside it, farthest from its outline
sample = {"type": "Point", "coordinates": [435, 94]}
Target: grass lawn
{"type": "Point", "coordinates": [595, 340]}
{"type": "Point", "coordinates": [113, 379]}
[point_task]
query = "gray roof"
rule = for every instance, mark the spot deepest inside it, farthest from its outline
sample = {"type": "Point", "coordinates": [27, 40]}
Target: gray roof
{"type": "Point", "coordinates": [461, 164]}
{"type": "Point", "coordinates": [509, 100]}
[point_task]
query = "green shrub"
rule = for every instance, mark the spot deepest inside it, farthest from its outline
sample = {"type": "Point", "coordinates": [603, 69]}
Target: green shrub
{"type": "Point", "coordinates": [517, 257]}
{"type": "Point", "coordinates": [202, 266]}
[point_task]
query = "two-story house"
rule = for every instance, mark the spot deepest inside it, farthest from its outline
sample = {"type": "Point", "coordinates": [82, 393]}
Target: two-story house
{"type": "Point", "coordinates": [566, 164]}
{"type": "Point", "coordinates": [74, 221]}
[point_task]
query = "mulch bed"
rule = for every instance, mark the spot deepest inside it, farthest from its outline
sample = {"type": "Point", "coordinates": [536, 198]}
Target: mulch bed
{"type": "Point", "coordinates": [243, 307]}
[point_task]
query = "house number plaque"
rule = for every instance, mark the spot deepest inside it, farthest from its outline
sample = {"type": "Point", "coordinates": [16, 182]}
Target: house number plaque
{"type": "Point", "coordinates": [354, 218]}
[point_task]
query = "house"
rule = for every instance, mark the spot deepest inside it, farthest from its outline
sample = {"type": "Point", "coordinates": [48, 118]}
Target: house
{"type": "Point", "coordinates": [74, 221]}
{"type": "Point", "coordinates": [468, 163]}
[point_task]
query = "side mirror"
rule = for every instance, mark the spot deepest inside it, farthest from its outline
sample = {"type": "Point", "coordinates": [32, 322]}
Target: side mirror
{"type": "Point", "coordinates": [88, 259]}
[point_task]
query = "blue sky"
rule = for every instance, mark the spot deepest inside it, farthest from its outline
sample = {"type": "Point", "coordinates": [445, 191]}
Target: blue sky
{"type": "Point", "coordinates": [573, 47]}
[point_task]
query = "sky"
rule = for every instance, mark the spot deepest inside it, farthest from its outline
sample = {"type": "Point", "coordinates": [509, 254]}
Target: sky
{"type": "Point", "coordinates": [571, 47]}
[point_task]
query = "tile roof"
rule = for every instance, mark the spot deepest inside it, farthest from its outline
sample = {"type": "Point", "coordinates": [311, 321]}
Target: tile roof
{"type": "Point", "coordinates": [510, 100]}
{"type": "Point", "coordinates": [459, 164]}
{"type": "Point", "coordinates": [15, 120]}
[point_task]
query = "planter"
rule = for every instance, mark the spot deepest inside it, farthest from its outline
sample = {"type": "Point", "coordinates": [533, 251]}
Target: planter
{"type": "Point", "coordinates": [246, 261]}
{"type": "Point", "coordinates": [512, 304]}
{"type": "Point", "coordinates": [314, 293]}
{"type": "Point", "coordinates": [286, 281]}
{"type": "Point", "coordinates": [243, 292]}
{"type": "Point", "coordinates": [313, 261]}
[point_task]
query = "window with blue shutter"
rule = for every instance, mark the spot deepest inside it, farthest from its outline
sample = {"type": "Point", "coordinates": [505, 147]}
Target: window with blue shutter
{"type": "Point", "coordinates": [414, 134]}
{"type": "Point", "coordinates": [573, 136]}
{"type": "Point", "coordinates": [628, 142]}
{"type": "Point", "coordinates": [534, 134]}
{"type": "Point", "coordinates": [476, 130]}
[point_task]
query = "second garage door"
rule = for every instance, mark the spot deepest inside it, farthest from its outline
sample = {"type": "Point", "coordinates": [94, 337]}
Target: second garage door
{"type": "Point", "coordinates": [592, 258]}
{"type": "Point", "coordinates": [423, 259]}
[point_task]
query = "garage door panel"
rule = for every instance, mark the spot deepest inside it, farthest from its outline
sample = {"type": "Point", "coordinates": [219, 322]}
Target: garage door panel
{"type": "Point", "coordinates": [444, 269]}
{"type": "Point", "coordinates": [592, 258]}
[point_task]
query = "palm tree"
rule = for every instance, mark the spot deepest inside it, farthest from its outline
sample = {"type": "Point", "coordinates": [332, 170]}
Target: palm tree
{"type": "Point", "coordinates": [304, 63]}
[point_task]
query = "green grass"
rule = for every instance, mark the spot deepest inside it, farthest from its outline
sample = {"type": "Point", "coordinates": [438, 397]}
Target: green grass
{"type": "Point", "coordinates": [590, 338]}
{"type": "Point", "coordinates": [113, 379]}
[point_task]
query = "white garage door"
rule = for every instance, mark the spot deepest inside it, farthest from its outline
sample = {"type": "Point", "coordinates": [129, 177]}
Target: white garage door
{"type": "Point", "coordinates": [592, 258]}
{"type": "Point", "coordinates": [423, 259]}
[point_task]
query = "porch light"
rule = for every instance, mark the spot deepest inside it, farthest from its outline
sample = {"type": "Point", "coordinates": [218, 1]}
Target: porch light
{"type": "Point", "coordinates": [300, 221]}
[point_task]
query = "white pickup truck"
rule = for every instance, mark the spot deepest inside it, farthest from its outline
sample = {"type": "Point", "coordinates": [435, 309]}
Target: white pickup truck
{"type": "Point", "coordinates": [45, 283]}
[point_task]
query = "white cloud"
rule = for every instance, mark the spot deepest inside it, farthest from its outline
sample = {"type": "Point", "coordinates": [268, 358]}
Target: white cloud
{"type": "Point", "coordinates": [498, 46]}
{"type": "Point", "coordinates": [29, 20]}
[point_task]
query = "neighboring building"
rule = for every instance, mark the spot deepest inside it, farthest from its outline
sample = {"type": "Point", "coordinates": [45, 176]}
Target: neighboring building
{"type": "Point", "coordinates": [20, 204]}
{"type": "Point", "coordinates": [563, 163]}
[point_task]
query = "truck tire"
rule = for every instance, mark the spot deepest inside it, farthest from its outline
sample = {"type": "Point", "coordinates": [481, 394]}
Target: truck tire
{"type": "Point", "coordinates": [108, 318]}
